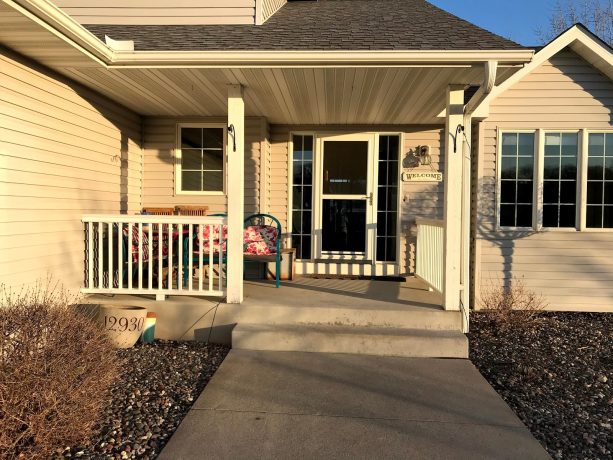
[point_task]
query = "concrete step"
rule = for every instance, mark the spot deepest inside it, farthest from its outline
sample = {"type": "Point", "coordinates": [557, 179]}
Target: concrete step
{"type": "Point", "coordinates": [381, 341]}
{"type": "Point", "coordinates": [333, 315]}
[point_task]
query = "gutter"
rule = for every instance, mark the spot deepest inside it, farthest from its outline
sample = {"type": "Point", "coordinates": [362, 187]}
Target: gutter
{"type": "Point", "coordinates": [52, 18]}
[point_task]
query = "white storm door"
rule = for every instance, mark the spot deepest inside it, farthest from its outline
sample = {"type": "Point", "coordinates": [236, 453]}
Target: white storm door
{"type": "Point", "coordinates": [344, 197]}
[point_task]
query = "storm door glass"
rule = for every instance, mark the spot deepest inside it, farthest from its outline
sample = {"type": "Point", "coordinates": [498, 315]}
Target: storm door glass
{"type": "Point", "coordinates": [345, 198]}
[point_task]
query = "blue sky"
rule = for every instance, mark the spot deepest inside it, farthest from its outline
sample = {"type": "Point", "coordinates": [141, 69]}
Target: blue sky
{"type": "Point", "coordinates": [514, 19]}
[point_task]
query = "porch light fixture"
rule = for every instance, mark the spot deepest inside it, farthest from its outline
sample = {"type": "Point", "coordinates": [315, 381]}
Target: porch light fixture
{"type": "Point", "coordinates": [459, 130]}
{"type": "Point", "coordinates": [232, 132]}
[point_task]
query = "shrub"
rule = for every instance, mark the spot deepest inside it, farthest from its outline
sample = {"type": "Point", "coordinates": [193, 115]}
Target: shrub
{"type": "Point", "coordinates": [56, 369]}
{"type": "Point", "coordinates": [511, 306]}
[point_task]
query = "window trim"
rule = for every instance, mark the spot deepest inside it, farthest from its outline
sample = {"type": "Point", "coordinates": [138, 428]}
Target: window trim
{"type": "Point", "coordinates": [541, 180]}
{"type": "Point", "coordinates": [290, 188]}
{"type": "Point", "coordinates": [582, 161]}
{"type": "Point", "coordinates": [177, 158]}
{"type": "Point", "coordinates": [535, 179]}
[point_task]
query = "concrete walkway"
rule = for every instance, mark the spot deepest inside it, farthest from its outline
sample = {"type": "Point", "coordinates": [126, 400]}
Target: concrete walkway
{"type": "Point", "coordinates": [277, 405]}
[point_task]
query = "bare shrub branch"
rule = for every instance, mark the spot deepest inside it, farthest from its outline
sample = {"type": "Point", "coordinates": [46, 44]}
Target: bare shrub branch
{"type": "Point", "coordinates": [56, 370]}
{"type": "Point", "coordinates": [511, 306]}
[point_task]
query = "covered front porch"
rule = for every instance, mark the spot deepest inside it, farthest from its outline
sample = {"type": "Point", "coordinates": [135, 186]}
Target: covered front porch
{"type": "Point", "coordinates": [361, 96]}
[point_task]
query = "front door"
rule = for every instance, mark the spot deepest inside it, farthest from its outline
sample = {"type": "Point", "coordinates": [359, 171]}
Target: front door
{"type": "Point", "coordinates": [345, 197]}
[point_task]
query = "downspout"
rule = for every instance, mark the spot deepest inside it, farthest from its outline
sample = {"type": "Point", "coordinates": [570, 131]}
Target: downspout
{"type": "Point", "coordinates": [489, 81]}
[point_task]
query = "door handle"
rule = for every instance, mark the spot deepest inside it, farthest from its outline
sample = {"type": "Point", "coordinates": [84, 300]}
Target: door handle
{"type": "Point", "coordinates": [369, 197]}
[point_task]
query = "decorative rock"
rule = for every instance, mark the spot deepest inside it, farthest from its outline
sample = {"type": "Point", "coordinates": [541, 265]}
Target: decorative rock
{"type": "Point", "coordinates": [554, 377]}
{"type": "Point", "coordinates": [163, 378]}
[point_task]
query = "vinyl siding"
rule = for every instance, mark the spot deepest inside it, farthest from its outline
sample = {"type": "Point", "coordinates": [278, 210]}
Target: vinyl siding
{"type": "Point", "coordinates": [573, 270]}
{"type": "Point", "coordinates": [160, 11]}
{"type": "Point", "coordinates": [417, 200]}
{"type": "Point", "coordinates": [160, 136]}
{"type": "Point", "coordinates": [65, 151]}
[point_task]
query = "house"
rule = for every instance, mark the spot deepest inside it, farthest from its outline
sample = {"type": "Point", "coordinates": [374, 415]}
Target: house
{"type": "Point", "coordinates": [389, 137]}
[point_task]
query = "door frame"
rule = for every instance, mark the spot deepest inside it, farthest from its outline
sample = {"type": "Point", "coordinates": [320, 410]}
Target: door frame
{"type": "Point", "coordinates": [308, 266]}
{"type": "Point", "coordinates": [319, 196]}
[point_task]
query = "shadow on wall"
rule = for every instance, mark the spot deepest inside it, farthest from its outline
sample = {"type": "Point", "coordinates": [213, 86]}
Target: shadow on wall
{"type": "Point", "coordinates": [89, 155]}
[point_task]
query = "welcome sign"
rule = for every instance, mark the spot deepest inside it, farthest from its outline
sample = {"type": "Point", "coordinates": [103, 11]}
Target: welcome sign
{"type": "Point", "coordinates": [422, 176]}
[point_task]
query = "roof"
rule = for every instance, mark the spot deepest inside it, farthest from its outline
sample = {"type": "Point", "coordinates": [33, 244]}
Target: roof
{"type": "Point", "coordinates": [322, 25]}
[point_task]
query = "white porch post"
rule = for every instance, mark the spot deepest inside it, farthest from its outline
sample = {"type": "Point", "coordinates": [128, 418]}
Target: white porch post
{"type": "Point", "coordinates": [236, 192]}
{"type": "Point", "coordinates": [452, 248]}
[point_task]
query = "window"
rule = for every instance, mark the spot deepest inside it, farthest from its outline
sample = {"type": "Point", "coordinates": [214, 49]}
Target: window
{"type": "Point", "coordinates": [599, 203]}
{"type": "Point", "coordinates": [200, 162]}
{"type": "Point", "coordinates": [302, 194]}
{"type": "Point", "coordinates": [517, 180]}
{"type": "Point", "coordinates": [387, 197]}
{"type": "Point", "coordinates": [574, 186]}
{"type": "Point", "coordinates": [560, 180]}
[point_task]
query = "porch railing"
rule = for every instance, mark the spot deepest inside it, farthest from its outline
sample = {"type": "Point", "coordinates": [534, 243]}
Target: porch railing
{"type": "Point", "coordinates": [149, 254]}
{"type": "Point", "coordinates": [429, 252]}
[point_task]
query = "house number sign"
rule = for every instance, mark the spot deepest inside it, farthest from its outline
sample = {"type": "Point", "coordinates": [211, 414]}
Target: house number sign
{"type": "Point", "coordinates": [422, 176]}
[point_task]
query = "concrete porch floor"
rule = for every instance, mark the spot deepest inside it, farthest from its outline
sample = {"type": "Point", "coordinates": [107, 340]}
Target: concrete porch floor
{"type": "Point", "coordinates": [269, 405]}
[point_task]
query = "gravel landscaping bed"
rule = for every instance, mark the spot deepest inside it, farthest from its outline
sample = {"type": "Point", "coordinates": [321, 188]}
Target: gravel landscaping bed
{"type": "Point", "coordinates": [158, 385]}
{"type": "Point", "coordinates": [556, 375]}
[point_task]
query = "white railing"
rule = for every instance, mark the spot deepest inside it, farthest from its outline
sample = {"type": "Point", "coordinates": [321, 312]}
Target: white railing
{"type": "Point", "coordinates": [429, 252]}
{"type": "Point", "coordinates": [147, 254]}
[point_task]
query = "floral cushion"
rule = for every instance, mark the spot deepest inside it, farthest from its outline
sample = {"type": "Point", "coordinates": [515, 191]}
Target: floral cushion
{"type": "Point", "coordinates": [208, 236]}
{"type": "Point", "coordinates": [206, 232]}
{"type": "Point", "coordinates": [145, 244]}
{"type": "Point", "coordinates": [260, 240]}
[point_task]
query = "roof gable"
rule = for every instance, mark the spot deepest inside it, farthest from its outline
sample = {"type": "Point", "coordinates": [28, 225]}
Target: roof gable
{"type": "Point", "coordinates": [578, 39]}
{"type": "Point", "coordinates": [323, 25]}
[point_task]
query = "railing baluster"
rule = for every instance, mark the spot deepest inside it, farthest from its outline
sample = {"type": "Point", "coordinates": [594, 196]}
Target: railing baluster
{"type": "Point", "coordinates": [199, 229]}
{"type": "Point", "coordinates": [140, 255]}
{"type": "Point", "coordinates": [160, 276]}
{"type": "Point", "coordinates": [221, 257]}
{"type": "Point", "coordinates": [211, 256]}
{"type": "Point", "coordinates": [110, 268]}
{"type": "Point", "coordinates": [190, 252]}
{"type": "Point", "coordinates": [120, 238]}
{"type": "Point", "coordinates": [99, 255]}
{"type": "Point", "coordinates": [90, 255]}
{"type": "Point", "coordinates": [180, 257]}
{"type": "Point", "coordinates": [170, 259]}
{"type": "Point", "coordinates": [130, 253]}
{"type": "Point", "coordinates": [150, 255]}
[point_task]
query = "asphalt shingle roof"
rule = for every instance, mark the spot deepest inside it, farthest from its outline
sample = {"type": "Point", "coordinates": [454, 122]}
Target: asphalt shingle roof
{"type": "Point", "coordinates": [323, 25]}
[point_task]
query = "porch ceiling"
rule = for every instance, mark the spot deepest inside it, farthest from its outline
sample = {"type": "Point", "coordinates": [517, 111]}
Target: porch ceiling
{"type": "Point", "coordinates": [314, 94]}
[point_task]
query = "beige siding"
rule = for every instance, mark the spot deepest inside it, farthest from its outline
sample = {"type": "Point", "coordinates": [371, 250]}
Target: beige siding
{"type": "Point", "coordinates": [160, 11]}
{"type": "Point", "coordinates": [160, 136]}
{"type": "Point", "coordinates": [417, 200]}
{"type": "Point", "coordinates": [64, 152]}
{"type": "Point", "coordinates": [574, 270]}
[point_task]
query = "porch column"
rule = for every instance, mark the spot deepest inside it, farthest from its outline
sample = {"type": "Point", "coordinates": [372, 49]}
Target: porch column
{"type": "Point", "coordinates": [236, 192]}
{"type": "Point", "coordinates": [452, 248]}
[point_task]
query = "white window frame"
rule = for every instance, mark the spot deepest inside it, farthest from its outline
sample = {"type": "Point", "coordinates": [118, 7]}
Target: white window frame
{"type": "Point", "coordinates": [177, 156]}
{"type": "Point", "coordinates": [535, 179]}
{"type": "Point", "coordinates": [290, 188]}
{"type": "Point", "coordinates": [584, 163]}
{"type": "Point", "coordinates": [539, 173]}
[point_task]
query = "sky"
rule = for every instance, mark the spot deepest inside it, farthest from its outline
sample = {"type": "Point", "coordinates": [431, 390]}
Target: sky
{"type": "Point", "coordinates": [517, 20]}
